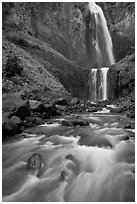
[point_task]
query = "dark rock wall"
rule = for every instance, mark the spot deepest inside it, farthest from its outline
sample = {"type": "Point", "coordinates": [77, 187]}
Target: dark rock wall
{"type": "Point", "coordinates": [121, 77]}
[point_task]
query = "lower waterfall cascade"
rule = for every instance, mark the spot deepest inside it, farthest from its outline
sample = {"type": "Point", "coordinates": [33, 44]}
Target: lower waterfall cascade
{"type": "Point", "coordinates": [104, 83]}
{"type": "Point", "coordinates": [98, 84]}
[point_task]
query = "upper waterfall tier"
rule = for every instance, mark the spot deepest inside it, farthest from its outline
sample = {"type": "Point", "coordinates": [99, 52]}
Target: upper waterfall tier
{"type": "Point", "coordinates": [101, 43]}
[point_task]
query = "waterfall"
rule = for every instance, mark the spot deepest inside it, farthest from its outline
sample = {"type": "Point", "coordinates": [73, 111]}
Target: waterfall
{"type": "Point", "coordinates": [102, 51]}
{"type": "Point", "coordinates": [104, 71]}
{"type": "Point", "coordinates": [99, 87]}
{"type": "Point", "coordinates": [94, 93]}
{"type": "Point", "coordinates": [100, 39]}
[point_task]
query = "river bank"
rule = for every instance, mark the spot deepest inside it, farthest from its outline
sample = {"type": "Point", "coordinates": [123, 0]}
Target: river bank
{"type": "Point", "coordinates": [19, 114]}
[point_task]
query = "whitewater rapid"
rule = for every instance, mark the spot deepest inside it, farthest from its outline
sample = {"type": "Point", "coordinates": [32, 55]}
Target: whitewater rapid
{"type": "Point", "coordinates": [94, 164]}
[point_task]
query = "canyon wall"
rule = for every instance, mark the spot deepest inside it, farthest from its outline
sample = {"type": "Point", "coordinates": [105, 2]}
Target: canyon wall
{"type": "Point", "coordinates": [53, 44]}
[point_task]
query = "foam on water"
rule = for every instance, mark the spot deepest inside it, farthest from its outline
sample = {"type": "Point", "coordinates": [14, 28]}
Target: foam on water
{"type": "Point", "coordinates": [112, 106]}
{"type": "Point", "coordinates": [94, 126]}
{"type": "Point", "coordinates": [50, 125]}
{"type": "Point", "coordinates": [91, 116]}
{"type": "Point", "coordinates": [94, 166]}
{"type": "Point", "coordinates": [104, 110]}
{"type": "Point", "coordinates": [131, 130]}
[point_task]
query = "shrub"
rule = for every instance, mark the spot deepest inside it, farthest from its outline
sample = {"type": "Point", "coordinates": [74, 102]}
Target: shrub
{"type": "Point", "coordinates": [13, 66]}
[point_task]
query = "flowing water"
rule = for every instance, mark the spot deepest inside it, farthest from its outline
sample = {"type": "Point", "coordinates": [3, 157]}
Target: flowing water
{"type": "Point", "coordinates": [94, 84]}
{"type": "Point", "coordinates": [101, 38]}
{"type": "Point", "coordinates": [102, 44]}
{"type": "Point", "coordinates": [104, 71]}
{"type": "Point", "coordinates": [98, 84]}
{"type": "Point", "coordinates": [94, 163]}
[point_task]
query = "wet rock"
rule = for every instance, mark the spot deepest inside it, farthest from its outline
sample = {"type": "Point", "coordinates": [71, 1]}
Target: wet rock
{"type": "Point", "coordinates": [61, 101]}
{"type": "Point", "coordinates": [5, 115]}
{"type": "Point", "coordinates": [63, 176]}
{"type": "Point", "coordinates": [128, 127]}
{"type": "Point", "coordinates": [116, 110]}
{"type": "Point", "coordinates": [132, 135]}
{"type": "Point", "coordinates": [103, 104]}
{"type": "Point", "coordinates": [11, 127]}
{"type": "Point", "coordinates": [36, 106]}
{"type": "Point", "coordinates": [34, 161]}
{"type": "Point", "coordinates": [23, 111]}
{"type": "Point", "coordinates": [16, 120]}
{"type": "Point", "coordinates": [74, 101]}
{"type": "Point", "coordinates": [66, 122]}
{"type": "Point", "coordinates": [12, 102]}
{"type": "Point", "coordinates": [70, 157]}
{"type": "Point", "coordinates": [60, 107]}
{"type": "Point", "coordinates": [93, 109]}
{"type": "Point", "coordinates": [80, 122]}
{"type": "Point", "coordinates": [51, 111]}
{"type": "Point", "coordinates": [131, 114]}
{"type": "Point", "coordinates": [29, 121]}
{"type": "Point", "coordinates": [125, 137]}
{"type": "Point", "coordinates": [39, 121]}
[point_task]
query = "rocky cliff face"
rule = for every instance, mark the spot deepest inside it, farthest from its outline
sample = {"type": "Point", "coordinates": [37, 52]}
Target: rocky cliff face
{"type": "Point", "coordinates": [52, 42]}
{"type": "Point", "coordinates": [124, 74]}
{"type": "Point", "coordinates": [42, 36]}
{"type": "Point", "coordinates": [120, 18]}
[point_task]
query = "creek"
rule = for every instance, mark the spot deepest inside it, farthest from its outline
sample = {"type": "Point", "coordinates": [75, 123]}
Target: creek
{"type": "Point", "coordinates": [93, 163]}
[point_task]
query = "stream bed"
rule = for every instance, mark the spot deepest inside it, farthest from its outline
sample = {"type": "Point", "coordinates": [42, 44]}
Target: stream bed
{"type": "Point", "coordinates": [93, 163]}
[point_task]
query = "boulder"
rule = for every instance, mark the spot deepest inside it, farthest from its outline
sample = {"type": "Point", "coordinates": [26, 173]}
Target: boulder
{"type": "Point", "coordinates": [125, 137]}
{"type": "Point", "coordinates": [131, 113]}
{"type": "Point", "coordinates": [50, 111]}
{"type": "Point", "coordinates": [61, 101]}
{"type": "Point", "coordinates": [39, 121]}
{"type": "Point", "coordinates": [116, 110]}
{"type": "Point", "coordinates": [60, 107]}
{"type": "Point", "coordinates": [128, 126]}
{"type": "Point", "coordinates": [70, 157]}
{"type": "Point", "coordinates": [5, 115]}
{"type": "Point", "coordinates": [36, 106]}
{"type": "Point", "coordinates": [23, 111]}
{"type": "Point", "coordinates": [63, 175]}
{"type": "Point", "coordinates": [74, 101]}
{"type": "Point", "coordinates": [34, 163]}
{"type": "Point", "coordinates": [80, 122]}
{"type": "Point", "coordinates": [103, 104]}
{"type": "Point", "coordinates": [16, 120]}
{"type": "Point", "coordinates": [11, 101]}
{"type": "Point", "coordinates": [15, 106]}
{"type": "Point", "coordinates": [11, 127]}
{"type": "Point", "coordinates": [93, 109]}
{"type": "Point", "coordinates": [29, 121]}
{"type": "Point", "coordinates": [66, 123]}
